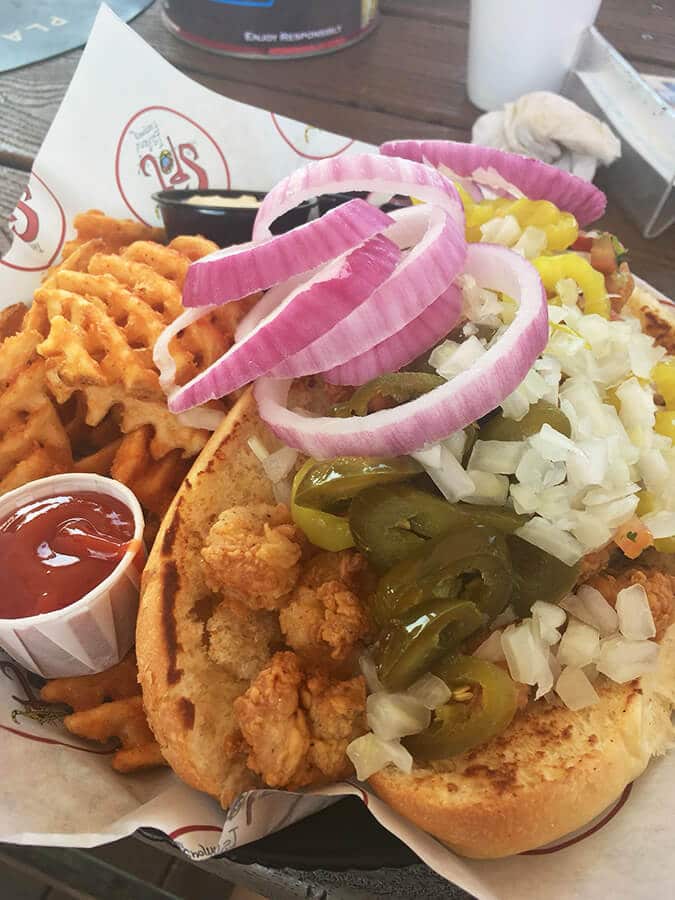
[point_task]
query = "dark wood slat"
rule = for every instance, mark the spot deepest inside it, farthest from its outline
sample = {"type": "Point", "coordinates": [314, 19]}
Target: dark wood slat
{"type": "Point", "coordinates": [12, 183]}
{"type": "Point", "coordinates": [411, 68]}
{"type": "Point", "coordinates": [643, 31]}
{"type": "Point", "coordinates": [31, 95]}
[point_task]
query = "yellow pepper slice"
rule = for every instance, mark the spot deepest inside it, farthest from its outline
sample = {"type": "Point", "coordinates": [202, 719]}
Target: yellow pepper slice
{"type": "Point", "coordinates": [561, 228]}
{"type": "Point", "coordinates": [663, 376]}
{"type": "Point", "coordinates": [553, 269]}
{"type": "Point", "coordinates": [665, 423]}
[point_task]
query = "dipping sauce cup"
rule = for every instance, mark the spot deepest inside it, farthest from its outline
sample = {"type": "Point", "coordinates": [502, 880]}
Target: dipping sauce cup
{"type": "Point", "coordinates": [93, 632]}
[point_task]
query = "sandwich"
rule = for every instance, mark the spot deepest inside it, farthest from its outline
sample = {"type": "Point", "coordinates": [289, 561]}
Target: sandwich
{"type": "Point", "coordinates": [430, 546]}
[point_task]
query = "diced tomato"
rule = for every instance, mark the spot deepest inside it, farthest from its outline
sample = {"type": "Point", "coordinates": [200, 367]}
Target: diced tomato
{"type": "Point", "coordinates": [633, 537]}
{"type": "Point", "coordinates": [583, 243]}
{"type": "Point", "coordinates": [603, 256]}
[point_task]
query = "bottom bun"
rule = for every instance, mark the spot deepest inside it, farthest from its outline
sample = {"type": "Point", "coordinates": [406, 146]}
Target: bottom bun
{"type": "Point", "coordinates": [551, 772]}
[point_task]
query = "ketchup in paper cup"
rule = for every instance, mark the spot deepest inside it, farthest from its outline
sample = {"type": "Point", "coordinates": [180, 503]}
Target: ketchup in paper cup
{"type": "Point", "coordinates": [71, 554]}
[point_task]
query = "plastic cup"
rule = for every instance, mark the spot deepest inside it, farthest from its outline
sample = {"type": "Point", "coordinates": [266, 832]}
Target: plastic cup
{"type": "Point", "coordinates": [518, 46]}
{"type": "Point", "coordinates": [96, 631]}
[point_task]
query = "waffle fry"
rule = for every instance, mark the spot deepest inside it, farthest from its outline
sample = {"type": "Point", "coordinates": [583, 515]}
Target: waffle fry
{"type": "Point", "coordinates": [109, 705]}
{"type": "Point", "coordinates": [33, 441]}
{"type": "Point", "coordinates": [155, 484]}
{"type": "Point", "coordinates": [11, 319]}
{"type": "Point", "coordinates": [101, 313]}
{"type": "Point", "coordinates": [115, 233]}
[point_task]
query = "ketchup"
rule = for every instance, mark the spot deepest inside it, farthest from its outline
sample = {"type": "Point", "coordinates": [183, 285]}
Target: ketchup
{"type": "Point", "coordinates": [54, 551]}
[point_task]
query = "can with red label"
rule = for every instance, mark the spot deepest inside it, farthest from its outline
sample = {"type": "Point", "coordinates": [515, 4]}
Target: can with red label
{"type": "Point", "coordinates": [271, 29]}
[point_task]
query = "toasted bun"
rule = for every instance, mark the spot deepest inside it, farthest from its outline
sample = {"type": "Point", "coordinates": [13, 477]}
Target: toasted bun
{"type": "Point", "coordinates": [549, 773]}
{"type": "Point", "coordinates": [552, 771]}
{"type": "Point", "coordinates": [188, 698]}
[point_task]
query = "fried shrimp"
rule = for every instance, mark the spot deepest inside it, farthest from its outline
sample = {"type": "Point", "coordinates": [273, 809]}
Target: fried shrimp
{"type": "Point", "coordinates": [253, 552]}
{"type": "Point", "coordinates": [239, 638]}
{"type": "Point", "coordinates": [325, 621]}
{"type": "Point", "coordinates": [298, 725]}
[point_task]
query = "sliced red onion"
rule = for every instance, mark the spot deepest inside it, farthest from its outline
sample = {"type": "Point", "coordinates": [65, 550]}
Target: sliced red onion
{"type": "Point", "coordinates": [406, 345]}
{"type": "Point", "coordinates": [448, 408]}
{"type": "Point", "coordinates": [303, 316]}
{"type": "Point", "coordinates": [246, 268]}
{"type": "Point", "coordinates": [500, 170]}
{"type": "Point", "coordinates": [421, 277]}
{"type": "Point", "coordinates": [361, 172]}
{"type": "Point", "coordinates": [267, 304]}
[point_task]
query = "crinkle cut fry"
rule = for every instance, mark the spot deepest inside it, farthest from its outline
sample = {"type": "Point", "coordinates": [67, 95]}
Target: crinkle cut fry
{"type": "Point", "coordinates": [109, 705]}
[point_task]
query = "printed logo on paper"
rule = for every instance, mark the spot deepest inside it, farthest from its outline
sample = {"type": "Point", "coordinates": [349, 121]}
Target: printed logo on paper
{"type": "Point", "coordinates": [309, 142]}
{"type": "Point", "coordinates": [160, 149]}
{"type": "Point", "coordinates": [38, 226]}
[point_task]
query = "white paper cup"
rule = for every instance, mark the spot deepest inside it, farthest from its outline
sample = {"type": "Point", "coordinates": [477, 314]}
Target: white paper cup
{"type": "Point", "coordinates": [520, 46]}
{"type": "Point", "coordinates": [96, 631]}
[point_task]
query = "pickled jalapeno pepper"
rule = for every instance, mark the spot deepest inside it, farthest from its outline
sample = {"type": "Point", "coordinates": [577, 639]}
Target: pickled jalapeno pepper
{"type": "Point", "coordinates": [412, 642]}
{"type": "Point", "coordinates": [537, 576]}
{"type": "Point", "coordinates": [499, 428]}
{"type": "Point", "coordinates": [399, 387]}
{"type": "Point", "coordinates": [472, 564]}
{"type": "Point", "coordinates": [483, 705]}
{"type": "Point", "coordinates": [320, 487]}
{"type": "Point", "coordinates": [391, 522]}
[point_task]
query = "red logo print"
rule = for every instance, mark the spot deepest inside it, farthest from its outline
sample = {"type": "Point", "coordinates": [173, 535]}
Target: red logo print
{"type": "Point", "coordinates": [39, 226]}
{"type": "Point", "coordinates": [309, 142]}
{"type": "Point", "coordinates": [160, 149]}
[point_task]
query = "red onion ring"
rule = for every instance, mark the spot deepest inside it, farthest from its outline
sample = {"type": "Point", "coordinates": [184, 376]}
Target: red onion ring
{"type": "Point", "coordinates": [448, 408]}
{"type": "Point", "coordinates": [421, 277]}
{"type": "Point", "coordinates": [246, 268]}
{"type": "Point", "coordinates": [531, 177]}
{"type": "Point", "coordinates": [362, 172]}
{"type": "Point", "coordinates": [303, 316]}
{"type": "Point", "coordinates": [402, 348]}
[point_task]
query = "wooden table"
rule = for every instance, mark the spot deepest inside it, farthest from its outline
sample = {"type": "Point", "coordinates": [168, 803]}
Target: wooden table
{"type": "Point", "coordinates": [407, 80]}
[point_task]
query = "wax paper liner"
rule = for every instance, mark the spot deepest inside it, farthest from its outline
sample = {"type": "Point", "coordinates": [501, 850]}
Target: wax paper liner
{"type": "Point", "coordinates": [130, 124]}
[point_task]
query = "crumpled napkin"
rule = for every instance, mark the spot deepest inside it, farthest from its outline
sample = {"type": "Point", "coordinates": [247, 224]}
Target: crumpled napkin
{"type": "Point", "coordinates": [551, 128]}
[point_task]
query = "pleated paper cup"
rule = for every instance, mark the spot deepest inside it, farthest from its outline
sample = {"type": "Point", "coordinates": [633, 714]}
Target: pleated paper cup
{"type": "Point", "coordinates": [96, 631]}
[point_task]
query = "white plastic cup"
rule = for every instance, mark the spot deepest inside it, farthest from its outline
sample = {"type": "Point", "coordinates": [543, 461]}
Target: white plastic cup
{"type": "Point", "coordinates": [518, 46]}
{"type": "Point", "coordinates": [96, 631]}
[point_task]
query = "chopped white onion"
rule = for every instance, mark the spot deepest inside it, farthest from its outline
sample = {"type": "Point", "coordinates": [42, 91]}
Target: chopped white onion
{"type": "Point", "coordinates": [498, 457]}
{"type": "Point", "coordinates": [503, 230]}
{"type": "Point", "coordinates": [258, 448]}
{"type": "Point", "coordinates": [277, 465]}
{"type": "Point", "coordinates": [637, 405]}
{"type": "Point", "coordinates": [532, 242]}
{"type": "Point", "coordinates": [552, 445]}
{"type": "Point", "coordinates": [589, 464]}
{"type": "Point", "coordinates": [623, 660]}
{"type": "Point", "coordinates": [660, 524]}
{"type": "Point", "coordinates": [551, 540]}
{"type": "Point", "coordinates": [548, 617]}
{"type": "Point", "coordinates": [568, 291]}
{"type": "Point", "coordinates": [430, 690]}
{"type": "Point", "coordinates": [282, 491]}
{"type": "Point", "coordinates": [589, 606]}
{"type": "Point", "coordinates": [369, 672]}
{"type": "Point", "coordinates": [527, 656]}
{"type": "Point", "coordinates": [392, 716]}
{"type": "Point", "coordinates": [491, 649]}
{"type": "Point", "coordinates": [575, 690]}
{"type": "Point", "coordinates": [369, 754]}
{"type": "Point", "coordinates": [644, 354]}
{"type": "Point", "coordinates": [488, 489]}
{"type": "Point", "coordinates": [654, 470]}
{"type": "Point", "coordinates": [635, 615]}
{"type": "Point", "coordinates": [538, 472]}
{"type": "Point", "coordinates": [429, 456]}
{"type": "Point", "coordinates": [450, 478]}
{"type": "Point", "coordinates": [580, 645]}
{"type": "Point", "coordinates": [456, 444]}
{"type": "Point", "coordinates": [450, 358]}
